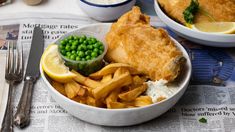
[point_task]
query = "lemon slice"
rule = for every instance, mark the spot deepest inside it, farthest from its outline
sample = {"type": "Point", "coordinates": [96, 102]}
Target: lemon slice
{"type": "Point", "coordinates": [215, 27]}
{"type": "Point", "coordinates": [54, 66]}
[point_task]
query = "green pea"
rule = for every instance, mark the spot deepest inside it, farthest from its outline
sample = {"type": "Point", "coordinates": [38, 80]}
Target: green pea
{"type": "Point", "coordinates": [75, 43]}
{"type": "Point", "coordinates": [70, 41]}
{"type": "Point", "coordinates": [90, 42]}
{"type": "Point", "coordinates": [96, 45]}
{"type": "Point", "coordinates": [85, 42]}
{"type": "Point", "coordinates": [90, 47]}
{"type": "Point", "coordinates": [76, 37]}
{"type": "Point", "coordinates": [100, 52]}
{"type": "Point", "coordinates": [61, 47]}
{"type": "Point", "coordinates": [62, 42]}
{"type": "Point", "coordinates": [96, 50]}
{"type": "Point", "coordinates": [68, 54]}
{"type": "Point", "coordinates": [84, 47]}
{"type": "Point", "coordinates": [81, 40]}
{"type": "Point", "coordinates": [63, 52]}
{"type": "Point", "coordinates": [66, 40]}
{"type": "Point", "coordinates": [73, 47]}
{"type": "Point", "coordinates": [93, 40]}
{"type": "Point", "coordinates": [71, 37]}
{"type": "Point", "coordinates": [81, 54]}
{"type": "Point", "coordinates": [79, 48]}
{"type": "Point", "coordinates": [73, 52]}
{"type": "Point", "coordinates": [101, 47]}
{"type": "Point", "coordinates": [88, 52]}
{"type": "Point", "coordinates": [83, 37]}
{"type": "Point", "coordinates": [78, 58]}
{"type": "Point", "coordinates": [72, 57]}
{"type": "Point", "coordinates": [88, 57]}
{"type": "Point", "coordinates": [94, 54]}
{"type": "Point", "coordinates": [67, 48]}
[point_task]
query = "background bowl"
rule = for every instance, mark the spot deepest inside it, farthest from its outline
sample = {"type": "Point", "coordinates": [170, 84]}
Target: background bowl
{"type": "Point", "coordinates": [119, 117]}
{"type": "Point", "coordinates": [106, 12]}
{"type": "Point", "coordinates": [209, 39]}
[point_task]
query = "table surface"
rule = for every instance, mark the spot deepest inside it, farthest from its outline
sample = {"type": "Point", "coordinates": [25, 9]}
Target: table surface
{"type": "Point", "coordinates": [61, 6]}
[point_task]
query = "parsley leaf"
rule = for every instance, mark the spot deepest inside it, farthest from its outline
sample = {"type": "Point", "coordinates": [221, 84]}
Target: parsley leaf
{"type": "Point", "coordinates": [203, 120]}
{"type": "Point", "coordinates": [190, 11]}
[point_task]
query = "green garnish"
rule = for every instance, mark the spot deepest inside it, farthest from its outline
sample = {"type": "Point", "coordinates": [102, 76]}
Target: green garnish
{"type": "Point", "coordinates": [190, 11]}
{"type": "Point", "coordinates": [203, 120]}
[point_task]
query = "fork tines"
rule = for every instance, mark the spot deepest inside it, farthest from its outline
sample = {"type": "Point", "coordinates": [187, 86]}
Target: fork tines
{"type": "Point", "coordinates": [14, 59]}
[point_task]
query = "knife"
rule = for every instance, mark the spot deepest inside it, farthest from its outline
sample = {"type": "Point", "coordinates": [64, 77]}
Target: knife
{"type": "Point", "coordinates": [22, 116]}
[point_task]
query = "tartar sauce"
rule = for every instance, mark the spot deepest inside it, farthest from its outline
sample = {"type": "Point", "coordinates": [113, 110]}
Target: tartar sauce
{"type": "Point", "coordinates": [105, 2]}
{"type": "Point", "coordinates": [158, 90]}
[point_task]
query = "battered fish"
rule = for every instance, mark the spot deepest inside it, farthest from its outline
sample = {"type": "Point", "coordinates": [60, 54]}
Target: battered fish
{"type": "Point", "coordinates": [132, 40]}
{"type": "Point", "coordinates": [209, 10]}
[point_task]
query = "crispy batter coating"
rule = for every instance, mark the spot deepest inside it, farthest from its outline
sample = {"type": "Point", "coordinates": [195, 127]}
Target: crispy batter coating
{"type": "Point", "coordinates": [133, 41]}
{"type": "Point", "coordinates": [220, 10]}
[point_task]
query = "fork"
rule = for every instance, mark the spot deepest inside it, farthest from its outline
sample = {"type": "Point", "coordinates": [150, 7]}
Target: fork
{"type": "Point", "coordinates": [13, 74]}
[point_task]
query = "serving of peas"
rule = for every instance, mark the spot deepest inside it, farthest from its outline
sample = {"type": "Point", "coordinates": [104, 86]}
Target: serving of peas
{"type": "Point", "coordinates": [81, 48]}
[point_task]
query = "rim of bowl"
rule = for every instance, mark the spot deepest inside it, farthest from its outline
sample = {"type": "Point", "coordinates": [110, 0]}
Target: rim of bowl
{"type": "Point", "coordinates": [188, 76]}
{"type": "Point", "coordinates": [182, 26]}
{"type": "Point", "coordinates": [106, 5]}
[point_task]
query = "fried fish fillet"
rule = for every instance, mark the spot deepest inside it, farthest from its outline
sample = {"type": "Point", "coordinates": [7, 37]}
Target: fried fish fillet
{"type": "Point", "coordinates": [133, 41]}
{"type": "Point", "coordinates": [219, 10]}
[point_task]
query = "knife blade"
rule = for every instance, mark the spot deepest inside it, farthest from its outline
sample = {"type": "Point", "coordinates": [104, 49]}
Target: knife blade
{"type": "Point", "coordinates": [36, 51]}
{"type": "Point", "coordinates": [22, 116]}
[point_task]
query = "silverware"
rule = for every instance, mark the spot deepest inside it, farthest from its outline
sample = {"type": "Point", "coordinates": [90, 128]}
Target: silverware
{"type": "Point", "coordinates": [22, 116]}
{"type": "Point", "coordinates": [13, 74]}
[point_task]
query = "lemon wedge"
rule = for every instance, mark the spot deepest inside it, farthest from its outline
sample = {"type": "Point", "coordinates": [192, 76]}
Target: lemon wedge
{"type": "Point", "coordinates": [54, 66]}
{"type": "Point", "coordinates": [215, 27]}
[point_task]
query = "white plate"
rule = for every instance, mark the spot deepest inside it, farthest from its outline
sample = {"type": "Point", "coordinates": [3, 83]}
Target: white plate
{"type": "Point", "coordinates": [119, 117]}
{"type": "Point", "coordinates": [209, 39]}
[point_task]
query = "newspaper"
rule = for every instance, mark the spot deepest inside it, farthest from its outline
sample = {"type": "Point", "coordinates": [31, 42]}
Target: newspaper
{"type": "Point", "coordinates": [211, 93]}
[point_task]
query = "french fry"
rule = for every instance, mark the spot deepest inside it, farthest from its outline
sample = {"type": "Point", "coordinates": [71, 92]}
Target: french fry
{"type": "Point", "coordinates": [76, 88]}
{"type": "Point", "coordinates": [89, 90]}
{"type": "Point", "coordinates": [139, 101]}
{"type": "Point", "coordinates": [80, 99]}
{"type": "Point", "coordinates": [59, 87]}
{"type": "Point", "coordinates": [116, 105]}
{"type": "Point", "coordinates": [91, 101]}
{"type": "Point", "coordinates": [137, 80]}
{"type": "Point", "coordinates": [133, 94]}
{"type": "Point", "coordinates": [112, 97]}
{"type": "Point", "coordinates": [120, 71]}
{"type": "Point", "coordinates": [70, 92]}
{"type": "Point", "coordinates": [143, 101]}
{"type": "Point", "coordinates": [83, 100]}
{"type": "Point", "coordinates": [111, 68]}
{"type": "Point", "coordinates": [86, 80]}
{"type": "Point", "coordinates": [81, 91]}
{"type": "Point", "coordinates": [106, 78]}
{"type": "Point", "coordinates": [77, 99]}
{"type": "Point", "coordinates": [116, 83]}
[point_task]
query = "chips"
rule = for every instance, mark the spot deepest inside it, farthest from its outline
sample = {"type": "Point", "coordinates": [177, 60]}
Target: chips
{"type": "Point", "coordinates": [116, 86]}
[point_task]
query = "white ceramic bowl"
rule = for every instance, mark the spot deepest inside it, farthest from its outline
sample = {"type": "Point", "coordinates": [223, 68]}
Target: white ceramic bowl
{"type": "Point", "coordinates": [209, 39]}
{"type": "Point", "coordinates": [119, 117]}
{"type": "Point", "coordinates": [106, 12]}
